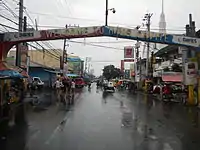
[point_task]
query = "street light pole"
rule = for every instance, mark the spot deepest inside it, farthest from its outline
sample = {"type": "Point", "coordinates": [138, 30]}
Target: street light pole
{"type": "Point", "coordinates": [106, 17]}
{"type": "Point", "coordinates": [148, 24]}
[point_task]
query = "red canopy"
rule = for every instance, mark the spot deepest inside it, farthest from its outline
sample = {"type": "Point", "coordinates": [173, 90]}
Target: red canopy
{"type": "Point", "coordinates": [172, 78]}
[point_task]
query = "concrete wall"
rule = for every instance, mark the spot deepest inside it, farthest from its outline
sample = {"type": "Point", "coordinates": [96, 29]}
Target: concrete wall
{"type": "Point", "coordinates": [41, 58]}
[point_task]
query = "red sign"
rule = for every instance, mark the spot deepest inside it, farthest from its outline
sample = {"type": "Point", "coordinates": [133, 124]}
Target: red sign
{"type": "Point", "coordinates": [128, 52]}
{"type": "Point", "coordinates": [132, 73]}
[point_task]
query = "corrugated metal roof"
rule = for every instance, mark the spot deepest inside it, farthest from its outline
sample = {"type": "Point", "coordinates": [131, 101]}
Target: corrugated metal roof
{"type": "Point", "coordinates": [167, 49]}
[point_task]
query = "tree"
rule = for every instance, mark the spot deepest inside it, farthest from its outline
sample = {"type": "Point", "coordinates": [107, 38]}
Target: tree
{"type": "Point", "coordinates": [110, 72]}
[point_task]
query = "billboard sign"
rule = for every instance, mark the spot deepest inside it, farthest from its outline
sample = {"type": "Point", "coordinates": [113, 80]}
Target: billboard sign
{"type": "Point", "coordinates": [95, 31]}
{"type": "Point", "coordinates": [129, 52]}
{"type": "Point", "coordinates": [191, 71]}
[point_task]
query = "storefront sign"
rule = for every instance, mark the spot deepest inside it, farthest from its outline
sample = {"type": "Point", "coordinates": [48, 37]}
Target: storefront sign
{"type": "Point", "coordinates": [191, 71]}
{"type": "Point", "coordinates": [128, 52]}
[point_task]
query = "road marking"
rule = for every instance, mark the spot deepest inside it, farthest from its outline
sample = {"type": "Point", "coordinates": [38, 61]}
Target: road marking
{"type": "Point", "coordinates": [63, 123]}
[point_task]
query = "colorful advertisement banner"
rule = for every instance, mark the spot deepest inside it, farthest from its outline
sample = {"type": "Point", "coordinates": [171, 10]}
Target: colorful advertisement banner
{"type": "Point", "coordinates": [95, 31]}
{"type": "Point", "coordinates": [191, 71]}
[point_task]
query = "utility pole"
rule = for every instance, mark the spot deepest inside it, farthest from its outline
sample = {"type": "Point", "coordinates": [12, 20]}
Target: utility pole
{"type": "Point", "coordinates": [21, 7]}
{"type": "Point", "coordinates": [106, 15]}
{"type": "Point", "coordinates": [86, 61]}
{"type": "Point", "coordinates": [106, 18]}
{"type": "Point", "coordinates": [65, 55]}
{"type": "Point", "coordinates": [147, 18]}
{"type": "Point", "coordinates": [189, 53]}
{"type": "Point", "coordinates": [136, 60]}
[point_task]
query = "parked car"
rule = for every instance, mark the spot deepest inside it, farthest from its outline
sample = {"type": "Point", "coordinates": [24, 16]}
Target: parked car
{"type": "Point", "coordinates": [39, 82]}
{"type": "Point", "coordinates": [79, 82]}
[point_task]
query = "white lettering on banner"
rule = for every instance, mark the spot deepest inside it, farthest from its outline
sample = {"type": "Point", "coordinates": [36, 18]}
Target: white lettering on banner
{"type": "Point", "coordinates": [123, 31]}
{"type": "Point", "coordinates": [71, 32]}
{"type": "Point", "coordinates": [77, 31]}
{"type": "Point", "coordinates": [189, 40]}
{"type": "Point", "coordinates": [136, 33]}
{"type": "Point", "coordinates": [25, 34]}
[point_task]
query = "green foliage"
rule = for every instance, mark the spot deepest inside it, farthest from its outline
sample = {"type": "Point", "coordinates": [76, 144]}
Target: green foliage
{"type": "Point", "coordinates": [111, 72]}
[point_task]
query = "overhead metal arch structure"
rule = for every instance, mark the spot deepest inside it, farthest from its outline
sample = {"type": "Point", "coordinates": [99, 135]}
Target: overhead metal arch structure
{"type": "Point", "coordinates": [7, 40]}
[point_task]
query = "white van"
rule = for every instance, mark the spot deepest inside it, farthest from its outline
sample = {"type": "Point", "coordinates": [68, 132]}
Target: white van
{"type": "Point", "coordinates": [40, 83]}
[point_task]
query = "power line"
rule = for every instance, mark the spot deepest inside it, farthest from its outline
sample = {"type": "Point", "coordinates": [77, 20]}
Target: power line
{"type": "Point", "coordinates": [9, 19]}
{"type": "Point", "coordinates": [93, 20]}
{"type": "Point", "coordinates": [8, 27]}
{"type": "Point", "coordinates": [29, 44]}
{"type": "Point", "coordinates": [10, 10]}
{"type": "Point", "coordinates": [96, 45]}
{"type": "Point", "coordinates": [42, 50]}
{"type": "Point", "coordinates": [48, 44]}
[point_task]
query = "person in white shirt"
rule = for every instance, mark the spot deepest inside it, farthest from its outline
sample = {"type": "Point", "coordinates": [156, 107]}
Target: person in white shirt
{"type": "Point", "coordinates": [58, 85]}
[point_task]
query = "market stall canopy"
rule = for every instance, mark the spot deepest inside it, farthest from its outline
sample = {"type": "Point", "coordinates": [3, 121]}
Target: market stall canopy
{"type": "Point", "coordinates": [74, 59]}
{"type": "Point", "coordinates": [72, 75]}
{"type": "Point", "coordinates": [10, 71]}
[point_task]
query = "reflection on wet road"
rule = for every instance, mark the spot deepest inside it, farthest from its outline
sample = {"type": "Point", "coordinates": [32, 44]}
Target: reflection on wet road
{"type": "Point", "coordinates": [110, 121]}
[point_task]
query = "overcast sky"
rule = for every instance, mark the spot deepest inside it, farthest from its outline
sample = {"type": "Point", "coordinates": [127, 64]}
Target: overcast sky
{"type": "Point", "coordinates": [129, 13]}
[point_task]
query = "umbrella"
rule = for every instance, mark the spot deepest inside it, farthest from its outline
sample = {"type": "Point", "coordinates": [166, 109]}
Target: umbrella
{"type": "Point", "coordinates": [10, 73]}
{"type": "Point", "coordinates": [72, 75]}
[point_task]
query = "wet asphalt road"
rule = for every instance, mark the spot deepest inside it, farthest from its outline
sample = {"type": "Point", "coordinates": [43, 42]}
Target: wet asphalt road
{"type": "Point", "coordinates": [106, 121]}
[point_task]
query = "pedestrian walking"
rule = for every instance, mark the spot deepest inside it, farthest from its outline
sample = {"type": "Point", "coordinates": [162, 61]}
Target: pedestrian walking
{"type": "Point", "coordinates": [58, 84]}
{"type": "Point", "coordinates": [73, 86]}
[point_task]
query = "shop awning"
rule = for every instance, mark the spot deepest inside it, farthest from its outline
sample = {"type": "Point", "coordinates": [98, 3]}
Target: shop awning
{"type": "Point", "coordinates": [10, 71]}
{"type": "Point", "coordinates": [172, 78]}
{"type": "Point", "coordinates": [52, 71]}
{"type": "Point", "coordinates": [72, 75]}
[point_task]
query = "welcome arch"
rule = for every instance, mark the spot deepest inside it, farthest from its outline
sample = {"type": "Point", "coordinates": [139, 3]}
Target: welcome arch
{"type": "Point", "coordinates": [7, 40]}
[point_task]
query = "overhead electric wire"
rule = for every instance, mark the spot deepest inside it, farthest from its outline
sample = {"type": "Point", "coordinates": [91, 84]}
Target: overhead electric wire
{"type": "Point", "coordinates": [84, 19]}
{"type": "Point", "coordinates": [36, 41]}
{"type": "Point", "coordinates": [48, 44]}
{"type": "Point", "coordinates": [41, 50]}
{"type": "Point", "coordinates": [96, 45]}
{"type": "Point", "coordinates": [9, 19]}
{"type": "Point", "coordinates": [8, 27]}
{"type": "Point", "coordinates": [9, 9]}
{"type": "Point", "coordinates": [14, 14]}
